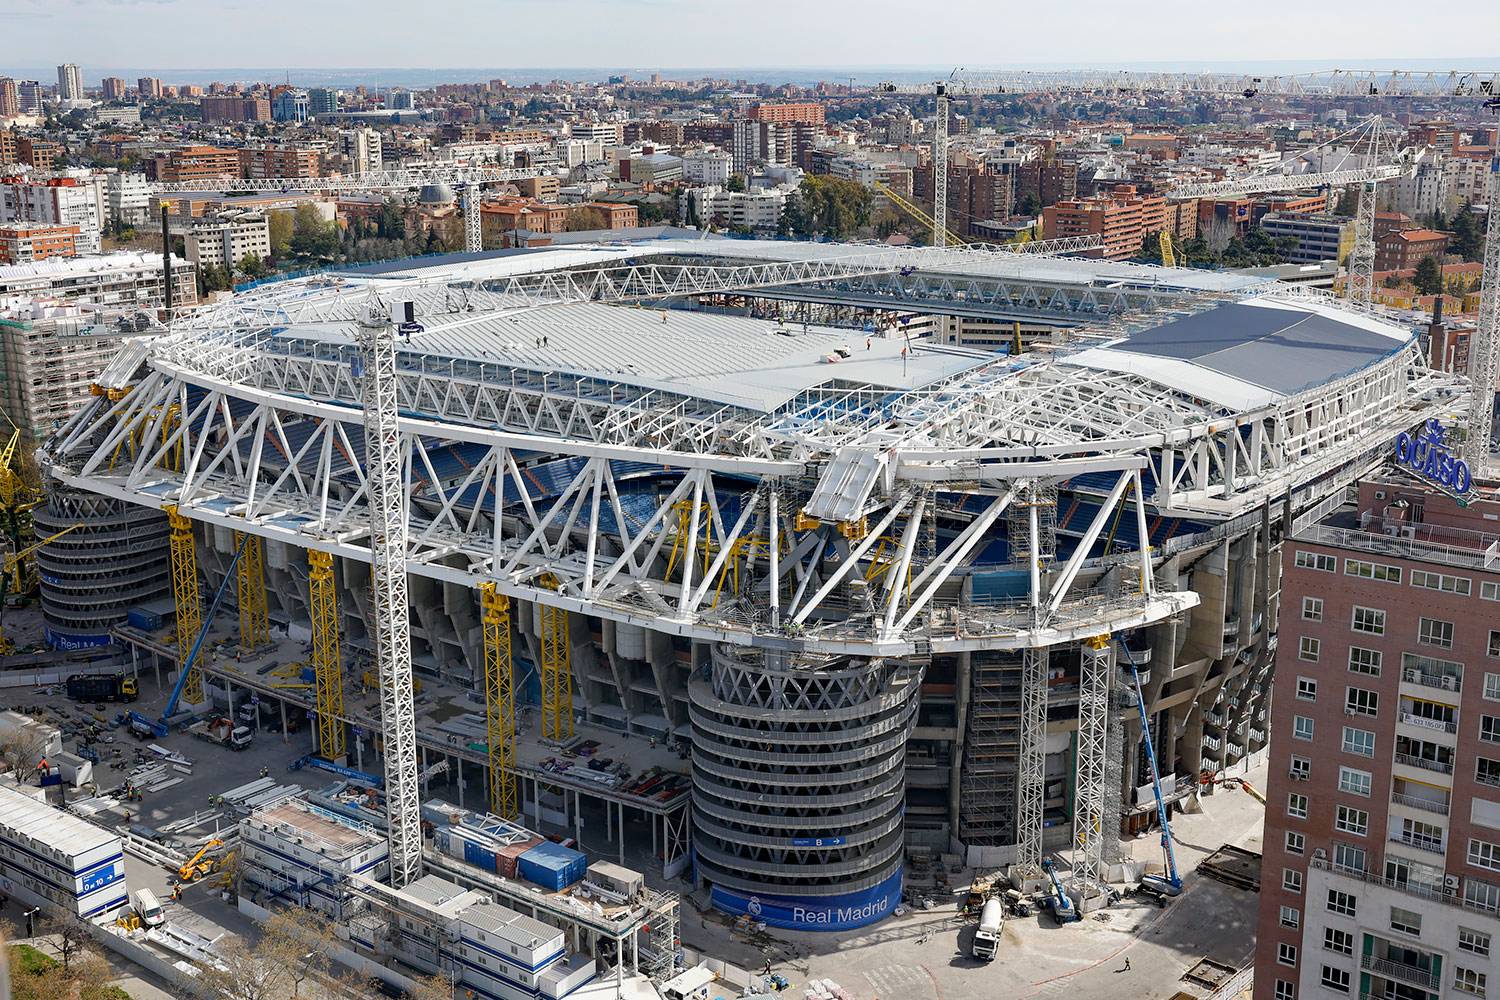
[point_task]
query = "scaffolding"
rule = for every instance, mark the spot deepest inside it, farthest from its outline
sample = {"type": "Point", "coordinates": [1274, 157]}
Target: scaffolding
{"type": "Point", "coordinates": [189, 604]}
{"type": "Point", "coordinates": [992, 744]}
{"type": "Point", "coordinates": [499, 701]}
{"type": "Point", "coordinates": [328, 669]}
{"type": "Point", "coordinates": [255, 626]}
{"type": "Point", "coordinates": [1096, 670]}
{"type": "Point", "coordinates": [1033, 540]}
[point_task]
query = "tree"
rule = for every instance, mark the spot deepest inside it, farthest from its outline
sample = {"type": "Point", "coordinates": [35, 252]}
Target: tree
{"type": "Point", "coordinates": [585, 219]}
{"type": "Point", "coordinates": [312, 237]}
{"type": "Point", "coordinates": [391, 223]}
{"type": "Point", "coordinates": [70, 938]}
{"type": "Point", "coordinates": [1348, 203]}
{"type": "Point", "coordinates": [243, 973]}
{"type": "Point", "coordinates": [833, 207]}
{"type": "Point", "coordinates": [1217, 235]}
{"type": "Point", "coordinates": [280, 224]}
{"type": "Point", "coordinates": [252, 267]}
{"type": "Point", "coordinates": [1030, 205]}
{"type": "Point", "coordinates": [299, 940]}
{"type": "Point", "coordinates": [1468, 241]}
{"type": "Point", "coordinates": [1429, 279]}
{"type": "Point", "coordinates": [736, 183]}
{"type": "Point", "coordinates": [22, 750]}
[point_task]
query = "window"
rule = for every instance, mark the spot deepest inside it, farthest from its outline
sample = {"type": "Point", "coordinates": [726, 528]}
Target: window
{"type": "Point", "coordinates": [1372, 571]}
{"type": "Point", "coordinates": [1369, 620]}
{"type": "Point", "coordinates": [1354, 782]}
{"type": "Point", "coordinates": [1301, 768]}
{"type": "Point", "coordinates": [1494, 648]}
{"type": "Point", "coordinates": [1348, 858]}
{"type": "Point", "coordinates": [1364, 661]}
{"type": "Point", "coordinates": [1307, 648]}
{"type": "Point", "coordinates": [1487, 771]}
{"type": "Point", "coordinates": [1424, 836]}
{"type": "Point", "coordinates": [1435, 632]}
{"type": "Point", "coordinates": [1341, 903]}
{"type": "Point", "coordinates": [1296, 805]}
{"type": "Point", "coordinates": [1295, 842]}
{"type": "Point", "coordinates": [1286, 954]}
{"type": "Point", "coordinates": [1359, 741]}
{"type": "Point", "coordinates": [1291, 880]}
{"type": "Point", "coordinates": [1335, 979]}
{"type": "Point", "coordinates": [1292, 917]}
{"type": "Point", "coordinates": [1482, 895]}
{"type": "Point", "coordinates": [1285, 990]}
{"type": "Point", "coordinates": [1307, 689]}
{"type": "Point", "coordinates": [1473, 942]}
{"type": "Point", "coordinates": [1320, 562]}
{"type": "Point", "coordinates": [1406, 921]}
{"type": "Point", "coordinates": [1492, 685]}
{"type": "Point", "coordinates": [1312, 609]}
{"type": "Point", "coordinates": [1468, 981]}
{"type": "Point", "coordinates": [1351, 820]}
{"type": "Point", "coordinates": [1460, 585]}
{"type": "Point", "coordinates": [1489, 728]}
{"type": "Point", "coordinates": [1302, 727]}
{"type": "Point", "coordinates": [1362, 701]}
{"type": "Point", "coordinates": [1337, 941]}
{"type": "Point", "coordinates": [1483, 854]}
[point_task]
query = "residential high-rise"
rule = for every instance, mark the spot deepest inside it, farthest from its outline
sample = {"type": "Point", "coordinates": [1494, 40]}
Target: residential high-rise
{"type": "Point", "coordinates": [1381, 871]}
{"type": "Point", "coordinates": [113, 88]}
{"type": "Point", "coordinates": [400, 100]}
{"type": "Point", "coordinates": [290, 106]}
{"type": "Point", "coordinates": [30, 97]}
{"type": "Point", "coordinates": [148, 88]}
{"type": "Point", "coordinates": [1123, 219]}
{"type": "Point", "coordinates": [60, 201]}
{"type": "Point", "coordinates": [10, 99]}
{"type": "Point", "coordinates": [322, 101]}
{"type": "Point", "coordinates": [69, 82]}
{"type": "Point", "coordinates": [363, 148]}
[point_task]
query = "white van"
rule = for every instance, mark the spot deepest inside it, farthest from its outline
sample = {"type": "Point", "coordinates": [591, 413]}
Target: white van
{"type": "Point", "coordinates": [149, 908]}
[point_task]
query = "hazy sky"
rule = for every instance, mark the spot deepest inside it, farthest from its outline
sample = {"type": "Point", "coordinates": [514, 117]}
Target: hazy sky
{"type": "Point", "coordinates": [752, 33]}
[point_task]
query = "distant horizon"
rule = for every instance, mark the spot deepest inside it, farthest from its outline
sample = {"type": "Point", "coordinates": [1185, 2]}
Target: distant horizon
{"type": "Point", "coordinates": [798, 75]}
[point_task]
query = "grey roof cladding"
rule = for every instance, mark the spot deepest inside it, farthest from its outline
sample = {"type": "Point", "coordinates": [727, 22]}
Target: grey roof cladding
{"type": "Point", "coordinates": [1284, 350]}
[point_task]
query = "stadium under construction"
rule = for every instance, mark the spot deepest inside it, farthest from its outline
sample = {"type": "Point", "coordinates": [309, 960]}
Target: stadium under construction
{"type": "Point", "coordinates": [880, 591]}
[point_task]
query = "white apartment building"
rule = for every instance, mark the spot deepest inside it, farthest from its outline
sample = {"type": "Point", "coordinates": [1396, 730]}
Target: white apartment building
{"type": "Point", "coordinates": [709, 166]}
{"type": "Point", "coordinates": [127, 197]}
{"type": "Point", "coordinates": [228, 239]}
{"type": "Point", "coordinates": [758, 210]}
{"type": "Point", "coordinates": [576, 152]}
{"type": "Point", "coordinates": [69, 82]}
{"type": "Point", "coordinates": [64, 201]}
{"type": "Point", "coordinates": [1468, 182]}
{"type": "Point", "coordinates": [1422, 192]}
{"type": "Point", "coordinates": [112, 279]}
{"type": "Point", "coordinates": [363, 148]}
{"type": "Point", "coordinates": [606, 133]}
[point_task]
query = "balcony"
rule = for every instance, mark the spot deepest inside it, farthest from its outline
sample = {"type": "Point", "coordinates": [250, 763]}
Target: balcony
{"type": "Point", "coordinates": [1431, 845]}
{"type": "Point", "coordinates": [1410, 974]}
{"type": "Point", "coordinates": [1417, 802]}
{"type": "Point", "coordinates": [1438, 681]}
{"type": "Point", "coordinates": [1422, 722]}
{"type": "Point", "coordinates": [1424, 763]}
{"type": "Point", "coordinates": [1436, 894]}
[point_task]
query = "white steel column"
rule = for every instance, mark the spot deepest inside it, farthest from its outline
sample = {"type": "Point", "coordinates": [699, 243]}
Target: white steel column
{"type": "Point", "coordinates": [470, 202]}
{"type": "Point", "coordinates": [940, 169]}
{"type": "Point", "coordinates": [1031, 775]}
{"type": "Point", "coordinates": [1362, 259]}
{"type": "Point", "coordinates": [388, 525]}
{"type": "Point", "coordinates": [1484, 350]}
{"type": "Point", "coordinates": [1089, 822]}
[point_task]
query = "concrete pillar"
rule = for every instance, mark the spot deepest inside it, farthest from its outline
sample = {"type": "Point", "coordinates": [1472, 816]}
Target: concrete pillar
{"type": "Point", "coordinates": [458, 769]}
{"type": "Point", "coordinates": [284, 736]}
{"type": "Point", "coordinates": [621, 807]}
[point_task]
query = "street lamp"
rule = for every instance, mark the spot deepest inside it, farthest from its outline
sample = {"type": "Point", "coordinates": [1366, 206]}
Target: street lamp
{"type": "Point", "coordinates": [31, 921]}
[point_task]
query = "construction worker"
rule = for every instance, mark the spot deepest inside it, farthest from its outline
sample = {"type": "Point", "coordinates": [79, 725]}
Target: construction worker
{"type": "Point", "coordinates": [265, 772]}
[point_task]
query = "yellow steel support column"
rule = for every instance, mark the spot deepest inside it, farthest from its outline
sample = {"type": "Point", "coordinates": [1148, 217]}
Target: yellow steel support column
{"type": "Point", "coordinates": [557, 671]}
{"type": "Point", "coordinates": [328, 667]}
{"type": "Point", "coordinates": [499, 701]}
{"type": "Point", "coordinates": [189, 604]}
{"type": "Point", "coordinates": [255, 628]}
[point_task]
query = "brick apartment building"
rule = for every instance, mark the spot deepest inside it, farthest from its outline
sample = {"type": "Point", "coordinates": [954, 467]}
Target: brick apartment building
{"type": "Point", "coordinates": [1404, 249]}
{"type": "Point", "coordinates": [235, 109]}
{"type": "Point", "coordinates": [24, 244]}
{"type": "Point", "coordinates": [977, 193]}
{"type": "Point", "coordinates": [810, 113]}
{"type": "Point", "coordinates": [1381, 870]}
{"type": "Point", "coordinates": [1122, 218]}
{"type": "Point", "coordinates": [498, 218]}
{"type": "Point", "coordinates": [191, 163]}
{"type": "Point", "coordinates": [1047, 182]}
{"type": "Point", "coordinates": [280, 161]}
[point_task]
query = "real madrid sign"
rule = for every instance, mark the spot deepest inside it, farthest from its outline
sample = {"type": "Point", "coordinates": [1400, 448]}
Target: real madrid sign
{"type": "Point", "coordinates": [1426, 454]}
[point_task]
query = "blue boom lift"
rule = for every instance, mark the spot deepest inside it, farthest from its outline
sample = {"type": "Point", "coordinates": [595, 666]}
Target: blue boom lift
{"type": "Point", "coordinates": [1170, 885]}
{"type": "Point", "coordinates": [159, 727]}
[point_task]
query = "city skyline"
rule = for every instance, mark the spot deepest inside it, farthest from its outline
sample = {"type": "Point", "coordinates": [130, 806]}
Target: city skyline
{"type": "Point", "coordinates": [828, 36]}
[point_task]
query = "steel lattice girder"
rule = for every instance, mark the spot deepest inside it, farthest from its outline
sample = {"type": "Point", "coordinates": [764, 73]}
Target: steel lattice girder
{"type": "Point", "coordinates": [499, 701]}
{"type": "Point", "coordinates": [327, 656]}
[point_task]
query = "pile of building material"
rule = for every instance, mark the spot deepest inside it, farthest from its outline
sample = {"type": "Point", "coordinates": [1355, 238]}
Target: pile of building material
{"type": "Point", "coordinates": [262, 793]}
{"type": "Point", "coordinates": [824, 989]}
{"type": "Point", "coordinates": [1233, 866]}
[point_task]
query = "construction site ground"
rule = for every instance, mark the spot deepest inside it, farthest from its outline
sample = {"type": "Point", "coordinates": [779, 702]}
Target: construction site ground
{"type": "Point", "coordinates": [925, 953]}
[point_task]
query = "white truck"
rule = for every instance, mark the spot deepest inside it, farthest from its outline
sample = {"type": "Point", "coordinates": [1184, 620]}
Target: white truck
{"type": "Point", "coordinates": [148, 907]}
{"type": "Point", "coordinates": [987, 937]}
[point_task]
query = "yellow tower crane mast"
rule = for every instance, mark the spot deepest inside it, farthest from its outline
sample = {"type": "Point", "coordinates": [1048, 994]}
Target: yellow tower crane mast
{"type": "Point", "coordinates": [557, 670]}
{"type": "Point", "coordinates": [255, 627]}
{"type": "Point", "coordinates": [328, 667]}
{"type": "Point", "coordinates": [189, 603]}
{"type": "Point", "coordinates": [499, 700]}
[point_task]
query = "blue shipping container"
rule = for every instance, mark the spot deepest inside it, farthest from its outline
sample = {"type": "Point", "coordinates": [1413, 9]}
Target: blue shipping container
{"type": "Point", "coordinates": [146, 621]}
{"type": "Point", "coordinates": [552, 866]}
{"type": "Point", "coordinates": [309, 675]}
{"type": "Point", "coordinates": [479, 856]}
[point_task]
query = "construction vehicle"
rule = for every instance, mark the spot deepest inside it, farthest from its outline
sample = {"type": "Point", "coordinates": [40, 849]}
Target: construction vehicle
{"type": "Point", "coordinates": [1063, 910]}
{"type": "Point", "coordinates": [987, 937]}
{"type": "Point", "coordinates": [200, 864]}
{"type": "Point", "coordinates": [1161, 887]}
{"type": "Point", "coordinates": [222, 730]}
{"type": "Point", "coordinates": [148, 907]}
{"type": "Point", "coordinates": [102, 687]}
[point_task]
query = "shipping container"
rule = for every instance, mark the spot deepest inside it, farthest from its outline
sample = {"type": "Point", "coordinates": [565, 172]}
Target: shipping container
{"type": "Point", "coordinates": [143, 619]}
{"type": "Point", "coordinates": [552, 866]}
{"type": "Point", "coordinates": [506, 857]}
